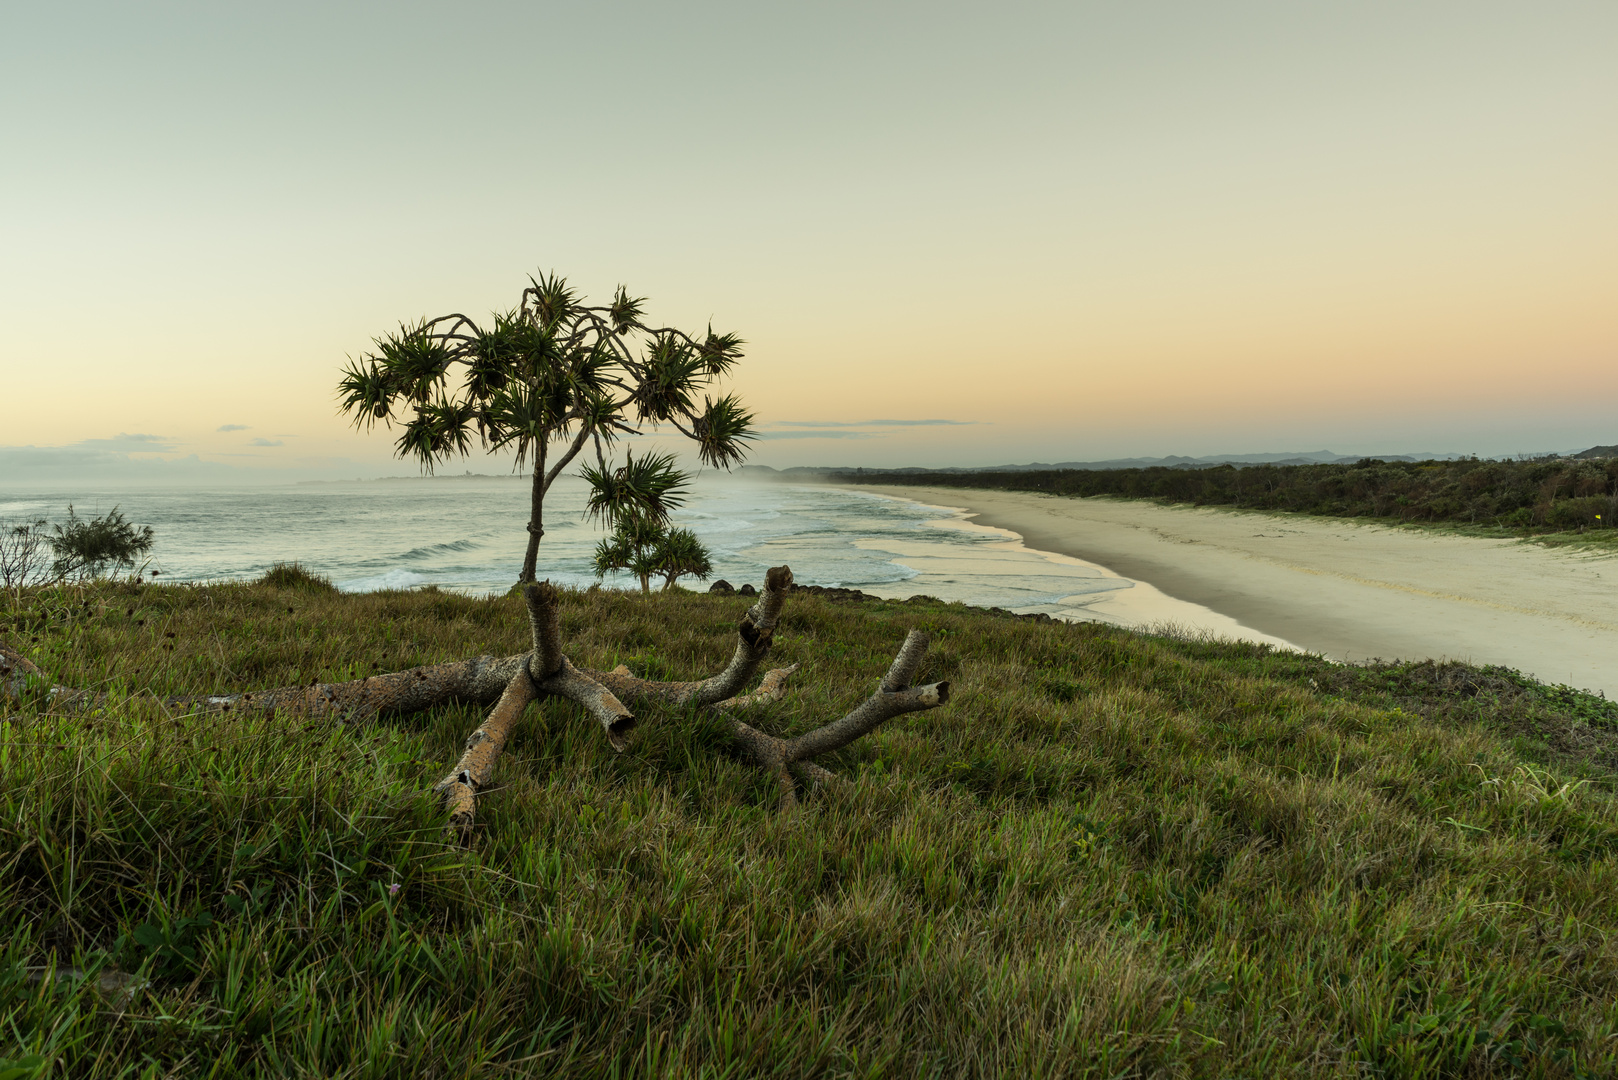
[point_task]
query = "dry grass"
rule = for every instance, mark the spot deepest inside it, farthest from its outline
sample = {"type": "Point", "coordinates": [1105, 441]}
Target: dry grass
{"type": "Point", "coordinates": [1110, 855]}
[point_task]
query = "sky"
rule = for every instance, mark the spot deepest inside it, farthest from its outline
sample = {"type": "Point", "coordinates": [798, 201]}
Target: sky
{"type": "Point", "coordinates": [952, 235]}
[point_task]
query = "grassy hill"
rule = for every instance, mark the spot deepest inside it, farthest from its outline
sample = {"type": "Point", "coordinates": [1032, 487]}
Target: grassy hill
{"type": "Point", "coordinates": [1110, 855]}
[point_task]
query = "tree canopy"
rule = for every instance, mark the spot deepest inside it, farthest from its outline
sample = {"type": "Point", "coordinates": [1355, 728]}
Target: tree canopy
{"type": "Point", "coordinates": [555, 369]}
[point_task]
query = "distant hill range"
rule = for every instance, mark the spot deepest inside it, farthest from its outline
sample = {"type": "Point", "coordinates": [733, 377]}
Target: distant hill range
{"type": "Point", "coordinates": [1175, 461]}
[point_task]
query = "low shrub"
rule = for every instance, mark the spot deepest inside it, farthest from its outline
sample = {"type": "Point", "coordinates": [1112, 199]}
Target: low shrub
{"type": "Point", "coordinates": [293, 576]}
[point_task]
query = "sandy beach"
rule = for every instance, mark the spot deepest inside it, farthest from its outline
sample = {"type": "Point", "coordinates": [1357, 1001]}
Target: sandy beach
{"type": "Point", "coordinates": [1348, 591]}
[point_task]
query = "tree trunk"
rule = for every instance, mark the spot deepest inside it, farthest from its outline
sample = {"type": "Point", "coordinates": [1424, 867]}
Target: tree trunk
{"type": "Point", "coordinates": [536, 516]}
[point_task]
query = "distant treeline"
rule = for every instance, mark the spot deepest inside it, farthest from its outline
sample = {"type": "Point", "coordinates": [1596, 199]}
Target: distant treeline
{"type": "Point", "coordinates": [1545, 494]}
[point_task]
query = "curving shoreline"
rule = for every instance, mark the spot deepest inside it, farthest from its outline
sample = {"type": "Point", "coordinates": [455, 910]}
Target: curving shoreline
{"type": "Point", "coordinates": [1349, 591]}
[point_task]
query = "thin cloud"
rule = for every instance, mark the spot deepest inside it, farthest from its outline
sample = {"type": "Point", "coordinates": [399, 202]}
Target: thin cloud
{"type": "Point", "coordinates": [131, 444]}
{"type": "Point", "coordinates": [231, 427]}
{"type": "Point", "coordinates": [266, 442]}
{"type": "Point", "coordinates": [820, 435]}
{"type": "Point", "coordinates": [871, 423]}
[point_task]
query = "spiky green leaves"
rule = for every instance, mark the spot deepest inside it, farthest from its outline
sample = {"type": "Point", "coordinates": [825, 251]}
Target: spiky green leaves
{"type": "Point", "coordinates": [720, 352]}
{"type": "Point", "coordinates": [363, 391]}
{"type": "Point", "coordinates": [681, 554]}
{"type": "Point", "coordinates": [648, 489]}
{"type": "Point", "coordinates": [672, 374]}
{"type": "Point", "coordinates": [413, 362]}
{"type": "Point", "coordinates": [510, 349]}
{"type": "Point", "coordinates": [632, 547]}
{"type": "Point", "coordinates": [722, 431]}
{"type": "Point", "coordinates": [544, 366]}
{"type": "Point", "coordinates": [549, 302]}
{"type": "Point", "coordinates": [625, 311]}
{"type": "Point", "coordinates": [440, 430]}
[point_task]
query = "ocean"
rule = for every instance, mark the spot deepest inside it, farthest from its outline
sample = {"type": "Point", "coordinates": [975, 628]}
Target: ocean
{"type": "Point", "coordinates": [466, 534]}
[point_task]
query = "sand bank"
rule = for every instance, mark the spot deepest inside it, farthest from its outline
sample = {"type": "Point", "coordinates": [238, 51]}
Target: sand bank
{"type": "Point", "coordinates": [1346, 590]}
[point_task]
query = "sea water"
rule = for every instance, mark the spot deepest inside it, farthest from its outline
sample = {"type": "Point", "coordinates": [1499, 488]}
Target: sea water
{"type": "Point", "coordinates": [467, 534]}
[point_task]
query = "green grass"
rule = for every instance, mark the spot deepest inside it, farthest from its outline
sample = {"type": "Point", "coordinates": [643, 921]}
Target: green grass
{"type": "Point", "coordinates": [1109, 855]}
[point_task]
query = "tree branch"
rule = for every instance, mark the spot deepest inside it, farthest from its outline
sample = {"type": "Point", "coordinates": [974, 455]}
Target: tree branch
{"type": "Point", "coordinates": [479, 680]}
{"type": "Point", "coordinates": [784, 757]}
{"type": "Point", "coordinates": [459, 789]}
{"type": "Point", "coordinates": [771, 688]}
{"type": "Point", "coordinates": [754, 635]}
{"type": "Point", "coordinates": [573, 452]}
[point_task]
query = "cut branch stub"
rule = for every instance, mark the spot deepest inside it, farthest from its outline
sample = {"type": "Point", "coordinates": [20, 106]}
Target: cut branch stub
{"type": "Point", "coordinates": [545, 621]}
{"type": "Point", "coordinates": [554, 673]}
{"type": "Point", "coordinates": [598, 701]}
{"type": "Point", "coordinates": [459, 789]}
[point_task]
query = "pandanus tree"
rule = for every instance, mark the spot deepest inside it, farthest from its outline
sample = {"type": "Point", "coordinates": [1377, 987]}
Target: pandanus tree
{"type": "Point", "coordinates": [648, 549]}
{"type": "Point", "coordinates": [636, 500]}
{"type": "Point", "coordinates": [555, 369]}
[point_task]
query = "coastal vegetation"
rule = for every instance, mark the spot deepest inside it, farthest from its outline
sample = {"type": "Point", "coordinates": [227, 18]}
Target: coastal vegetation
{"type": "Point", "coordinates": [646, 549]}
{"type": "Point", "coordinates": [1113, 854]}
{"type": "Point", "coordinates": [553, 368]}
{"type": "Point", "coordinates": [81, 548]}
{"type": "Point", "coordinates": [1531, 498]}
{"type": "Point", "coordinates": [635, 502]}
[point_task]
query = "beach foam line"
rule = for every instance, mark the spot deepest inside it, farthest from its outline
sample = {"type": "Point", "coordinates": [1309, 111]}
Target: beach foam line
{"type": "Point", "coordinates": [1123, 601]}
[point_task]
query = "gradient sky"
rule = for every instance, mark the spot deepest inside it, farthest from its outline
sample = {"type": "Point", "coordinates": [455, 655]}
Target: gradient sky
{"type": "Point", "coordinates": [1075, 231]}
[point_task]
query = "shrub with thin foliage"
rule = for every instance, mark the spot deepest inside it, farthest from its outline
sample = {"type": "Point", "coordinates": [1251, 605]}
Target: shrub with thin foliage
{"type": "Point", "coordinates": [23, 559]}
{"type": "Point", "coordinates": [88, 548]}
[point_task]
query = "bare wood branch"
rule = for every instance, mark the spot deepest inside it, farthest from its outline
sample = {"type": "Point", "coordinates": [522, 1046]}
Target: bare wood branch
{"type": "Point", "coordinates": [894, 697]}
{"type": "Point", "coordinates": [784, 757]}
{"type": "Point", "coordinates": [754, 635]}
{"type": "Point", "coordinates": [459, 789]}
{"type": "Point", "coordinates": [770, 689]}
{"type": "Point", "coordinates": [878, 708]}
{"type": "Point", "coordinates": [580, 687]}
{"type": "Point", "coordinates": [544, 620]}
{"type": "Point", "coordinates": [479, 681]}
{"type": "Point", "coordinates": [903, 670]}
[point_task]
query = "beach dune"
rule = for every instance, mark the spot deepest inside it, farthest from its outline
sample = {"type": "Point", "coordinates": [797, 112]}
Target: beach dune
{"type": "Point", "coordinates": [1349, 591]}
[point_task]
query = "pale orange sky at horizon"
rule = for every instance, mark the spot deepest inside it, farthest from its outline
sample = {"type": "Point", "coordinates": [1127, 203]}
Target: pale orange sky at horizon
{"type": "Point", "coordinates": [1077, 231]}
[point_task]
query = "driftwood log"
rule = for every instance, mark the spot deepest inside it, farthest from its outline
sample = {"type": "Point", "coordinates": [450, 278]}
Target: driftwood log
{"type": "Point", "coordinates": [511, 683]}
